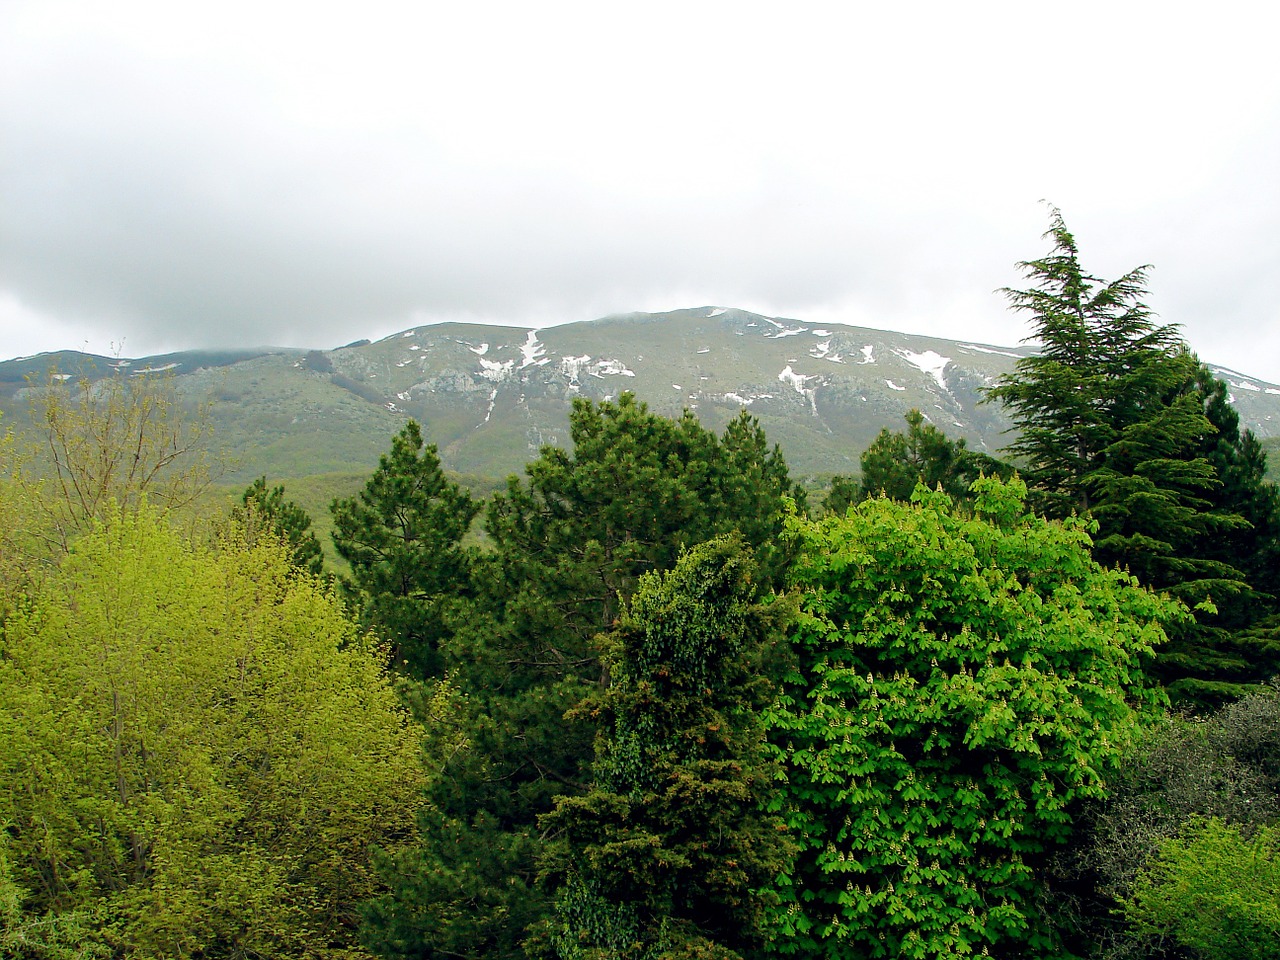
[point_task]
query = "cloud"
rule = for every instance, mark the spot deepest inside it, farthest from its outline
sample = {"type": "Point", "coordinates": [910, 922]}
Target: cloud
{"type": "Point", "coordinates": [269, 173]}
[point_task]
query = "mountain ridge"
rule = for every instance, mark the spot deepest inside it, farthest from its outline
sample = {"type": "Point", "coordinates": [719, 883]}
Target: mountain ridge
{"type": "Point", "coordinates": [491, 396]}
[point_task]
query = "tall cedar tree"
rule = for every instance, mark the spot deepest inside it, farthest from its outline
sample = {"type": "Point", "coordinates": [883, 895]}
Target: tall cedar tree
{"type": "Point", "coordinates": [666, 853]}
{"type": "Point", "coordinates": [402, 535]}
{"type": "Point", "coordinates": [1112, 424]}
{"type": "Point", "coordinates": [569, 544]}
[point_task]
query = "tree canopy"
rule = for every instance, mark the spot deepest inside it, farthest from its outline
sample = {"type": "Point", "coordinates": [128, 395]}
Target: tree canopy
{"type": "Point", "coordinates": [963, 684]}
{"type": "Point", "coordinates": [197, 751]}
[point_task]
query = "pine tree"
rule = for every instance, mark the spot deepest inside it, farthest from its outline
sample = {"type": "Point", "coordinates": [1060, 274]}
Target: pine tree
{"type": "Point", "coordinates": [666, 854]}
{"type": "Point", "coordinates": [570, 542]}
{"type": "Point", "coordinates": [402, 535]}
{"type": "Point", "coordinates": [283, 518]}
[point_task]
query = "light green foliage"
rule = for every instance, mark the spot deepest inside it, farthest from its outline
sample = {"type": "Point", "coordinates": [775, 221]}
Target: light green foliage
{"type": "Point", "coordinates": [268, 510]}
{"type": "Point", "coordinates": [669, 852]}
{"type": "Point", "coordinates": [402, 535]}
{"type": "Point", "coordinates": [1178, 772]}
{"type": "Point", "coordinates": [197, 751]}
{"type": "Point", "coordinates": [963, 684]}
{"type": "Point", "coordinates": [1215, 891]}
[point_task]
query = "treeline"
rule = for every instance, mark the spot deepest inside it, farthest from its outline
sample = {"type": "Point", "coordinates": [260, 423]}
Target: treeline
{"type": "Point", "coordinates": [646, 702]}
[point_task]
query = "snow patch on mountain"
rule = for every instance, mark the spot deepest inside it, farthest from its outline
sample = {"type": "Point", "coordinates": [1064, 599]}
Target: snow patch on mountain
{"type": "Point", "coordinates": [999, 353]}
{"type": "Point", "coordinates": [930, 363]}
{"type": "Point", "coordinates": [868, 354]}
{"type": "Point", "coordinates": [715, 312]}
{"type": "Point", "coordinates": [822, 351]}
{"type": "Point", "coordinates": [497, 371]}
{"type": "Point", "coordinates": [481, 350]}
{"type": "Point", "coordinates": [1245, 385]}
{"type": "Point", "coordinates": [894, 386]}
{"type": "Point", "coordinates": [532, 350]}
{"type": "Point", "coordinates": [800, 383]}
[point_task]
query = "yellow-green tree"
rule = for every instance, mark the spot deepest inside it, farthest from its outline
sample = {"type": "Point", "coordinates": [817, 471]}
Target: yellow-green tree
{"type": "Point", "coordinates": [198, 753]}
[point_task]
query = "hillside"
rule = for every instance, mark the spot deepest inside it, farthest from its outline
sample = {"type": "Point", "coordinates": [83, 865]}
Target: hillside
{"type": "Point", "coordinates": [491, 396]}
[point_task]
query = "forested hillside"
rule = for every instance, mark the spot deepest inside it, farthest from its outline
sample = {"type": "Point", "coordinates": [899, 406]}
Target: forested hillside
{"type": "Point", "coordinates": [650, 699]}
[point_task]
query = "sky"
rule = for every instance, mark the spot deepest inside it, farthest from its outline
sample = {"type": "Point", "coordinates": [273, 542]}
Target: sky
{"type": "Point", "coordinates": [178, 175]}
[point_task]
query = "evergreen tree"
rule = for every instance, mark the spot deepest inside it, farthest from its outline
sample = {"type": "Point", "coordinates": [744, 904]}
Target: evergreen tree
{"type": "Point", "coordinates": [1112, 424]}
{"type": "Point", "coordinates": [402, 535]}
{"type": "Point", "coordinates": [284, 519]}
{"type": "Point", "coordinates": [666, 853]}
{"type": "Point", "coordinates": [569, 542]}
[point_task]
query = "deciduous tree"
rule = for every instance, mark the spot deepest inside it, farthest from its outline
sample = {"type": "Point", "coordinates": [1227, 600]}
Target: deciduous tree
{"type": "Point", "coordinates": [963, 685]}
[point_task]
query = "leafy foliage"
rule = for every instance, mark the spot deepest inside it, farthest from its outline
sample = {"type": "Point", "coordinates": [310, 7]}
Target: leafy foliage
{"type": "Point", "coordinates": [1223, 767]}
{"type": "Point", "coordinates": [196, 752]}
{"type": "Point", "coordinates": [963, 685]}
{"type": "Point", "coordinates": [1215, 891]}
{"type": "Point", "coordinates": [668, 852]}
{"type": "Point", "coordinates": [402, 535]}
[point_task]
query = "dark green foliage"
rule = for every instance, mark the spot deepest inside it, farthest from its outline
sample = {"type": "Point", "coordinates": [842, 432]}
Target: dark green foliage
{"type": "Point", "coordinates": [666, 854]}
{"type": "Point", "coordinates": [402, 536]}
{"type": "Point", "coordinates": [284, 519]}
{"type": "Point", "coordinates": [569, 544]}
{"type": "Point", "coordinates": [963, 686]}
{"type": "Point", "coordinates": [896, 461]}
{"type": "Point", "coordinates": [1224, 767]}
{"type": "Point", "coordinates": [1112, 424]}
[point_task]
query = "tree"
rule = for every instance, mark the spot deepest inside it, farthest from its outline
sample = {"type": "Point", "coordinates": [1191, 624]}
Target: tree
{"type": "Point", "coordinates": [402, 535]}
{"type": "Point", "coordinates": [896, 462]}
{"type": "Point", "coordinates": [260, 507]}
{"type": "Point", "coordinates": [569, 543]}
{"type": "Point", "coordinates": [197, 752]}
{"type": "Point", "coordinates": [666, 854]}
{"type": "Point", "coordinates": [962, 685]}
{"type": "Point", "coordinates": [120, 440]}
{"type": "Point", "coordinates": [1112, 424]}
{"type": "Point", "coordinates": [1223, 767]}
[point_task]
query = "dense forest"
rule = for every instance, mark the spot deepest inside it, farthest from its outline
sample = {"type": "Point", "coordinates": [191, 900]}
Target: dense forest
{"type": "Point", "coordinates": [650, 700]}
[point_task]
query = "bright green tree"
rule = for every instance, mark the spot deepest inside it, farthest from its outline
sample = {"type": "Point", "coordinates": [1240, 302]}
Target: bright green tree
{"type": "Point", "coordinates": [197, 752]}
{"type": "Point", "coordinates": [963, 684]}
{"type": "Point", "coordinates": [284, 519]}
{"type": "Point", "coordinates": [402, 535]}
{"type": "Point", "coordinates": [666, 854]}
{"type": "Point", "coordinates": [1215, 891]}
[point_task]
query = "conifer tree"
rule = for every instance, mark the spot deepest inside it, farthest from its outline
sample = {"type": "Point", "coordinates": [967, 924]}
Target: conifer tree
{"type": "Point", "coordinates": [1111, 420]}
{"type": "Point", "coordinates": [570, 542]}
{"type": "Point", "coordinates": [285, 519]}
{"type": "Point", "coordinates": [666, 854]}
{"type": "Point", "coordinates": [402, 535]}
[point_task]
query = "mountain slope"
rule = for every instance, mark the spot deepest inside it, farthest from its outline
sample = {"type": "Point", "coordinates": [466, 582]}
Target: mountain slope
{"type": "Point", "coordinates": [491, 396]}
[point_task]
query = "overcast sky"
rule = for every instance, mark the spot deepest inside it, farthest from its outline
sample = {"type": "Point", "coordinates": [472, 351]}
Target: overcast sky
{"type": "Point", "coordinates": [176, 175]}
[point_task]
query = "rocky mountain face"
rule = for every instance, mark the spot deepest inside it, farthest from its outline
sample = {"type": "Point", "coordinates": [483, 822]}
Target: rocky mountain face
{"type": "Point", "coordinates": [490, 397]}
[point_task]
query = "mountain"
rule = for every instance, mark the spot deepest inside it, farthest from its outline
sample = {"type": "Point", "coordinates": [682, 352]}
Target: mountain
{"type": "Point", "coordinates": [490, 397]}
